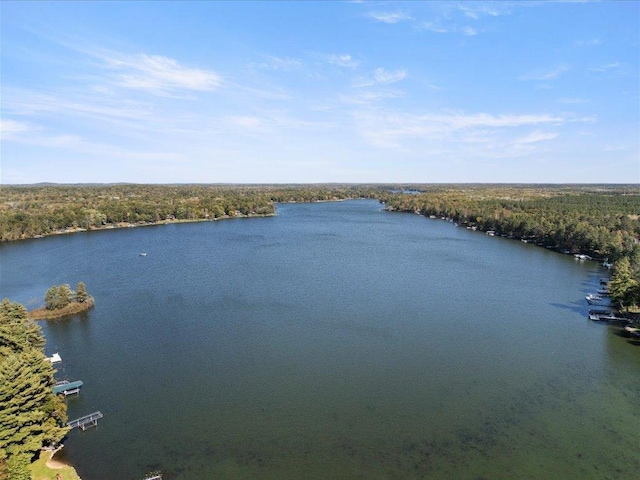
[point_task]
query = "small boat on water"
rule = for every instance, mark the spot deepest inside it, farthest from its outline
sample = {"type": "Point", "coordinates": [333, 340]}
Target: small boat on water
{"type": "Point", "coordinates": [143, 254]}
{"type": "Point", "coordinates": [635, 331]}
{"type": "Point", "coordinates": [593, 299]}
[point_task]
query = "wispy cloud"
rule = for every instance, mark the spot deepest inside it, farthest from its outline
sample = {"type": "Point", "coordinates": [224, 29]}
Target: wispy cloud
{"type": "Point", "coordinates": [382, 77]}
{"type": "Point", "coordinates": [613, 148]}
{"type": "Point", "coordinates": [274, 122]}
{"type": "Point", "coordinates": [476, 12]}
{"type": "Point", "coordinates": [366, 97]}
{"type": "Point", "coordinates": [592, 42]}
{"type": "Point", "coordinates": [469, 31]}
{"type": "Point", "coordinates": [272, 62]}
{"type": "Point", "coordinates": [545, 75]}
{"type": "Point", "coordinates": [433, 27]}
{"type": "Point", "coordinates": [343, 60]}
{"type": "Point", "coordinates": [452, 28]}
{"type": "Point", "coordinates": [386, 77]}
{"type": "Point", "coordinates": [29, 103]}
{"type": "Point", "coordinates": [389, 17]}
{"type": "Point", "coordinates": [158, 74]}
{"type": "Point", "coordinates": [74, 143]}
{"type": "Point", "coordinates": [573, 101]}
{"type": "Point", "coordinates": [11, 128]}
{"type": "Point", "coordinates": [393, 129]}
{"type": "Point", "coordinates": [608, 67]}
{"type": "Point", "coordinates": [534, 137]}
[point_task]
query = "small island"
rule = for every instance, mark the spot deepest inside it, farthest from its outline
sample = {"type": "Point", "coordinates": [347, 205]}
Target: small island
{"type": "Point", "coordinates": [61, 301]}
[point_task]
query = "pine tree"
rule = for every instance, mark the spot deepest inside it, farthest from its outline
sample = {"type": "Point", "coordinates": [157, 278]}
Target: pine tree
{"type": "Point", "coordinates": [30, 413]}
{"type": "Point", "coordinates": [58, 296]}
{"type": "Point", "coordinates": [65, 295]}
{"type": "Point", "coordinates": [4, 469]}
{"type": "Point", "coordinates": [623, 286]}
{"type": "Point", "coordinates": [81, 293]}
{"type": "Point", "coordinates": [51, 298]}
{"type": "Point", "coordinates": [16, 332]}
{"type": "Point", "coordinates": [18, 467]}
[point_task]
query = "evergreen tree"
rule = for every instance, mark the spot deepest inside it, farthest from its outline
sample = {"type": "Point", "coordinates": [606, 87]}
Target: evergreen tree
{"type": "Point", "coordinates": [4, 469]}
{"type": "Point", "coordinates": [18, 467]}
{"type": "Point", "coordinates": [623, 286]}
{"type": "Point", "coordinates": [16, 332]}
{"type": "Point", "coordinates": [81, 293]}
{"type": "Point", "coordinates": [51, 298]}
{"type": "Point", "coordinates": [66, 295]}
{"type": "Point", "coordinates": [58, 296]}
{"type": "Point", "coordinates": [30, 414]}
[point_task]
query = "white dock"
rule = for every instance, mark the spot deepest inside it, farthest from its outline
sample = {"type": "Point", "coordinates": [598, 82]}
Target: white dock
{"type": "Point", "coordinates": [55, 358]}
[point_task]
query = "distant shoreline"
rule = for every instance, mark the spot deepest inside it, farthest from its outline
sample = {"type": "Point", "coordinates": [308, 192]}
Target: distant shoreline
{"type": "Point", "coordinates": [118, 226]}
{"type": "Point", "coordinates": [121, 225]}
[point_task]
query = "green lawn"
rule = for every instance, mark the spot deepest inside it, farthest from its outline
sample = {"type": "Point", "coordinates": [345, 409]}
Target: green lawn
{"type": "Point", "coordinates": [40, 470]}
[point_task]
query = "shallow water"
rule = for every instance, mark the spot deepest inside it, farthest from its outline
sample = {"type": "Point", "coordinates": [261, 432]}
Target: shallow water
{"type": "Point", "coordinates": [334, 341]}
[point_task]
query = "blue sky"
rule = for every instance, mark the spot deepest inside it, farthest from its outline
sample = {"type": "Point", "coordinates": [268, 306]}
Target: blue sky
{"type": "Point", "coordinates": [300, 92]}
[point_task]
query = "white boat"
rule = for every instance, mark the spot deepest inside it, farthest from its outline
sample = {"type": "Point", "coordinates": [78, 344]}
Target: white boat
{"type": "Point", "coordinates": [633, 331]}
{"type": "Point", "coordinates": [143, 254]}
{"type": "Point", "coordinates": [596, 300]}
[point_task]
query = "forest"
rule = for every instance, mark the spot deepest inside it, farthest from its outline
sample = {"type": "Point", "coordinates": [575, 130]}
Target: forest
{"type": "Point", "coordinates": [601, 221]}
{"type": "Point", "coordinates": [33, 211]}
{"type": "Point", "coordinates": [32, 416]}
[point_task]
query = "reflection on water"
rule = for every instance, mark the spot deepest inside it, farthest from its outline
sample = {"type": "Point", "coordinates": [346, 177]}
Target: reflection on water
{"type": "Point", "coordinates": [335, 341]}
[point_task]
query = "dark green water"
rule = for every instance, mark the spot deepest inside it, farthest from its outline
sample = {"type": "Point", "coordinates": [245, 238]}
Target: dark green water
{"type": "Point", "coordinates": [334, 341]}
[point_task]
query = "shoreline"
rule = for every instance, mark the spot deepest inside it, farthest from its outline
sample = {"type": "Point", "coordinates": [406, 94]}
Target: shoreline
{"type": "Point", "coordinates": [47, 467]}
{"type": "Point", "coordinates": [73, 308]}
{"type": "Point", "coordinates": [118, 226]}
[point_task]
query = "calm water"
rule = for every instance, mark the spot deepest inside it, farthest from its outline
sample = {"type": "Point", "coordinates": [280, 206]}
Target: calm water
{"type": "Point", "coordinates": [334, 341]}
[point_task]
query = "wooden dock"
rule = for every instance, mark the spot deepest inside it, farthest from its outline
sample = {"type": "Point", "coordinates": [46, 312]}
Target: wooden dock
{"type": "Point", "coordinates": [85, 422]}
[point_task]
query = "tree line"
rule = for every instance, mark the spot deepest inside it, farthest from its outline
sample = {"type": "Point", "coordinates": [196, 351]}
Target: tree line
{"type": "Point", "coordinates": [32, 211]}
{"type": "Point", "coordinates": [600, 221]}
{"type": "Point", "coordinates": [31, 415]}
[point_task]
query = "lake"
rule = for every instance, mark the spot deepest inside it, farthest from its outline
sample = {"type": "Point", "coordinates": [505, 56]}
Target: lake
{"type": "Point", "coordinates": [335, 340]}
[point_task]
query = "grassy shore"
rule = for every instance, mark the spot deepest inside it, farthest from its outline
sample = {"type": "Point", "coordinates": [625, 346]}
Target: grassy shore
{"type": "Point", "coordinates": [72, 309]}
{"type": "Point", "coordinates": [48, 468]}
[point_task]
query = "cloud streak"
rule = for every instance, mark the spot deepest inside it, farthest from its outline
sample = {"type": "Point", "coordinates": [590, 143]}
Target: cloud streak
{"type": "Point", "coordinates": [159, 75]}
{"type": "Point", "coordinates": [343, 60]}
{"type": "Point", "coordinates": [391, 130]}
{"type": "Point", "coordinates": [389, 17]}
{"type": "Point", "coordinates": [278, 63]}
{"type": "Point", "coordinates": [382, 76]}
{"type": "Point", "coordinates": [10, 129]}
{"type": "Point", "coordinates": [545, 75]}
